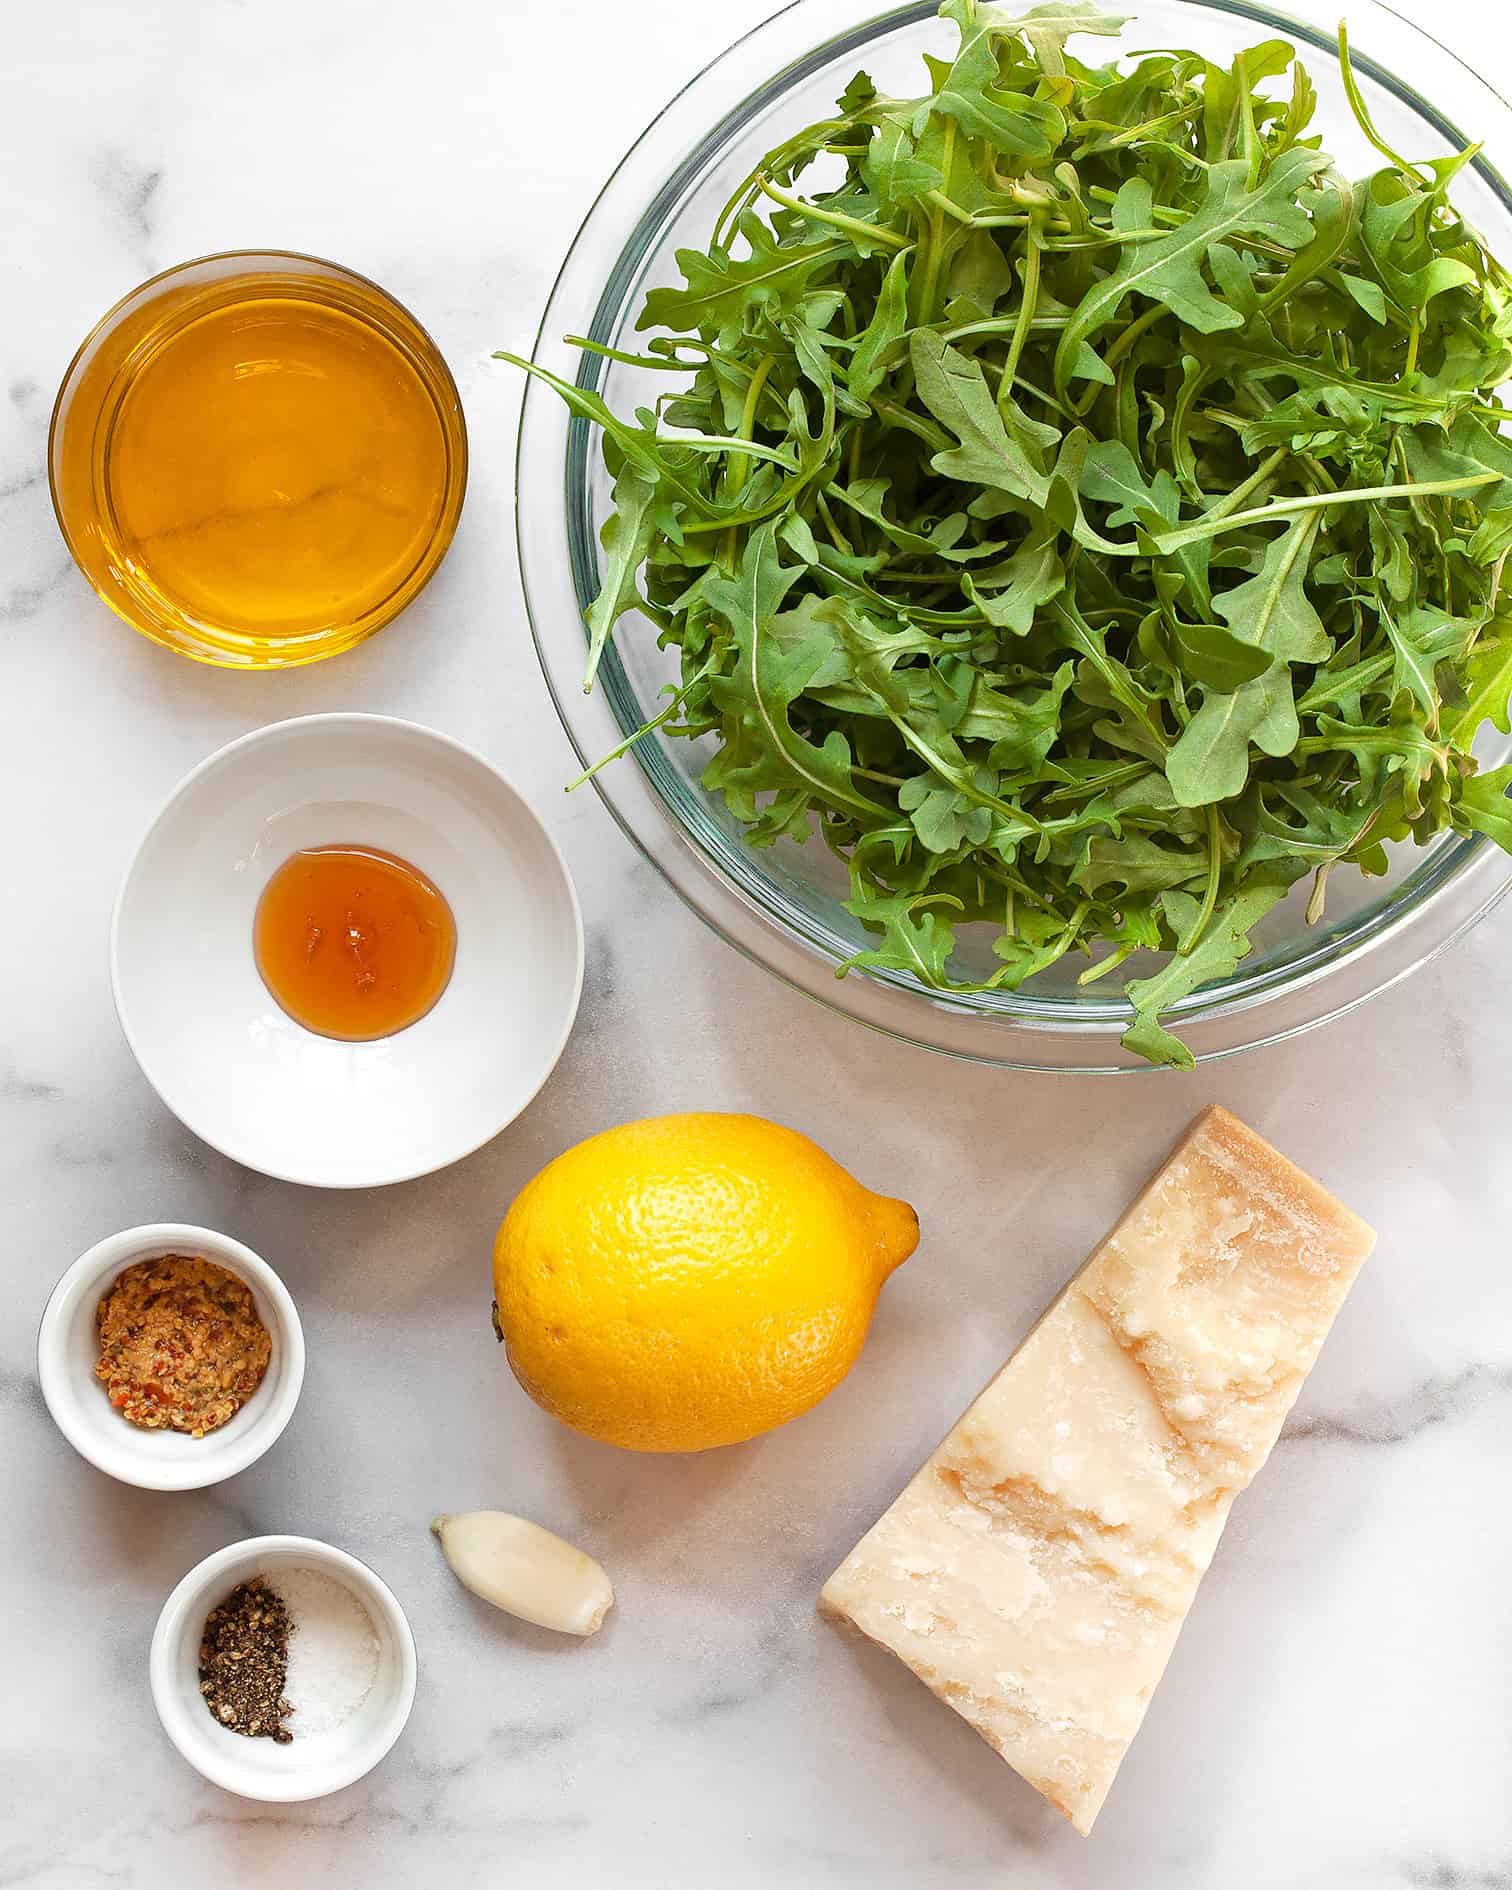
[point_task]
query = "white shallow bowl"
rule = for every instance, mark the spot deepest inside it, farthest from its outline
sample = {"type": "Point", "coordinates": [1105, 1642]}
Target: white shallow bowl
{"type": "Point", "coordinates": [259, 1768]}
{"type": "Point", "coordinates": [68, 1349]}
{"type": "Point", "coordinates": [233, 1066]}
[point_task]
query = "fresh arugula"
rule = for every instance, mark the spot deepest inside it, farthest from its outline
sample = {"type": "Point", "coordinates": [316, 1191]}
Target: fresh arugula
{"type": "Point", "coordinates": [1085, 507]}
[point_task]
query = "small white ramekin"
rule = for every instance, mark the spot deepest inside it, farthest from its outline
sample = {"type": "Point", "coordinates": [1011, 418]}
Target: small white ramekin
{"type": "Point", "coordinates": [225, 1057]}
{"type": "Point", "coordinates": [260, 1768]}
{"type": "Point", "coordinates": [68, 1350]}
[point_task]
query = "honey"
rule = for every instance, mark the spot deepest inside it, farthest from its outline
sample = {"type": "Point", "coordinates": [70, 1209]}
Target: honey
{"type": "Point", "coordinates": [258, 460]}
{"type": "Point", "coordinates": [353, 942]}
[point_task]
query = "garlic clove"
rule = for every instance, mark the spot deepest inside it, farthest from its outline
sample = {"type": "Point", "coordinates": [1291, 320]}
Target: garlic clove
{"type": "Point", "coordinates": [526, 1570]}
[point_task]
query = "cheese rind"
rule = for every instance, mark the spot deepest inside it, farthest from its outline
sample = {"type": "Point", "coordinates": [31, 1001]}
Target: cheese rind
{"type": "Point", "coordinates": [1037, 1570]}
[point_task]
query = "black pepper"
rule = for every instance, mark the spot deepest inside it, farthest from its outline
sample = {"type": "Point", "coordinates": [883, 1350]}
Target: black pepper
{"type": "Point", "coordinates": [244, 1659]}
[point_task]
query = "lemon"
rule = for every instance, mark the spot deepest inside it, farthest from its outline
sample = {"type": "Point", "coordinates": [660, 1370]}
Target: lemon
{"type": "Point", "coordinates": [691, 1280]}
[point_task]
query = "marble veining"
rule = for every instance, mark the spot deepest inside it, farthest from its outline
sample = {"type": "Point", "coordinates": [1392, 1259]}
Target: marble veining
{"type": "Point", "coordinates": [1335, 1717]}
{"type": "Point", "coordinates": [129, 188]}
{"type": "Point", "coordinates": [22, 482]}
{"type": "Point", "coordinates": [1442, 1876]}
{"type": "Point", "coordinates": [22, 601]}
{"type": "Point", "coordinates": [1437, 1401]}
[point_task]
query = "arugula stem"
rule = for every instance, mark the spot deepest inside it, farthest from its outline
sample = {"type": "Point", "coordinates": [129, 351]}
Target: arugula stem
{"type": "Point", "coordinates": [836, 219]}
{"type": "Point", "coordinates": [1362, 111]}
{"type": "Point", "coordinates": [1231, 501]}
{"type": "Point", "coordinates": [837, 537]}
{"type": "Point", "coordinates": [1104, 965]}
{"type": "Point", "coordinates": [1316, 902]}
{"type": "Point", "coordinates": [1199, 924]}
{"type": "Point", "coordinates": [679, 698]}
{"type": "Point", "coordinates": [1104, 241]}
{"type": "Point", "coordinates": [723, 442]}
{"type": "Point", "coordinates": [998, 325]}
{"type": "Point", "coordinates": [1151, 128]}
{"type": "Point", "coordinates": [931, 434]}
{"type": "Point", "coordinates": [665, 362]}
{"type": "Point", "coordinates": [944, 204]}
{"type": "Point", "coordinates": [1283, 508]}
{"type": "Point", "coordinates": [1040, 393]}
{"type": "Point", "coordinates": [1104, 783]}
{"type": "Point", "coordinates": [1122, 342]}
{"type": "Point", "coordinates": [735, 465]}
{"type": "Point", "coordinates": [934, 250]}
{"type": "Point", "coordinates": [1251, 143]}
{"type": "Point", "coordinates": [815, 136]}
{"type": "Point", "coordinates": [1025, 315]}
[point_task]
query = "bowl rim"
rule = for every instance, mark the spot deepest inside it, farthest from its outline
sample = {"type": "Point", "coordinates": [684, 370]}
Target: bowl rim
{"type": "Point", "coordinates": [131, 1457]}
{"type": "Point", "coordinates": [1453, 878]}
{"type": "Point", "coordinates": [176, 1619]}
{"type": "Point", "coordinates": [393, 725]}
{"type": "Point", "coordinates": [297, 655]}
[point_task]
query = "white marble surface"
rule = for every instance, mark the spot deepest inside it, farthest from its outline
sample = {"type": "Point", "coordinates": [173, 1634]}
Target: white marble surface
{"type": "Point", "coordinates": [1337, 1714]}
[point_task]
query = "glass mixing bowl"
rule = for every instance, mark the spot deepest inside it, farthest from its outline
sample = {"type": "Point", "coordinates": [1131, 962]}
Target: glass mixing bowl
{"type": "Point", "coordinates": [783, 907]}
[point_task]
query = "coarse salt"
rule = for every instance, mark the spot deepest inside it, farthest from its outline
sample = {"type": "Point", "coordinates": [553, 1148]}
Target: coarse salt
{"type": "Point", "coordinates": [333, 1651]}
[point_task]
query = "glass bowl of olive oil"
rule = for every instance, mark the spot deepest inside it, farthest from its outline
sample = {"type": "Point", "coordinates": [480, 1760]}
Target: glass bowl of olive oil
{"type": "Point", "coordinates": [258, 459]}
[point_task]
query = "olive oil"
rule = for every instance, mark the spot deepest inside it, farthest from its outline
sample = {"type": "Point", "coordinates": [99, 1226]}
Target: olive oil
{"type": "Point", "coordinates": [353, 942]}
{"type": "Point", "coordinates": [259, 467]}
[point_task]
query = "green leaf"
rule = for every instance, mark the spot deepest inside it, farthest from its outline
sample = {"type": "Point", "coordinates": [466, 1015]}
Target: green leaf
{"type": "Point", "coordinates": [1411, 670]}
{"type": "Point", "coordinates": [917, 936]}
{"type": "Point", "coordinates": [1226, 90]}
{"type": "Point", "coordinates": [1112, 476]}
{"type": "Point", "coordinates": [1483, 805]}
{"type": "Point", "coordinates": [720, 287]}
{"type": "Point", "coordinates": [954, 389]}
{"type": "Point", "coordinates": [1048, 27]}
{"type": "Point", "coordinates": [1211, 759]}
{"type": "Point", "coordinates": [1366, 295]}
{"type": "Point", "coordinates": [762, 749]}
{"type": "Point", "coordinates": [1489, 686]}
{"type": "Point", "coordinates": [1225, 942]}
{"type": "Point", "coordinates": [1492, 538]}
{"type": "Point", "coordinates": [942, 817]}
{"type": "Point", "coordinates": [973, 94]}
{"type": "Point", "coordinates": [1272, 610]}
{"type": "Point", "coordinates": [626, 538]}
{"type": "Point", "coordinates": [1021, 728]}
{"type": "Point", "coordinates": [867, 369]}
{"type": "Point", "coordinates": [1009, 594]}
{"type": "Point", "coordinates": [1215, 657]}
{"type": "Point", "coordinates": [1468, 446]}
{"type": "Point", "coordinates": [893, 169]}
{"type": "Point", "coordinates": [1396, 231]}
{"type": "Point", "coordinates": [1272, 614]}
{"type": "Point", "coordinates": [1135, 862]}
{"type": "Point", "coordinates": [1169, 268]}
{"type": "Point", "coordinates": [980, 274]}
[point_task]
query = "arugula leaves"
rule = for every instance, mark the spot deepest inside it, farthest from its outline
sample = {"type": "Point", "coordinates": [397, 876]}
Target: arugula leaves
{"type": "Point", "coordinates": [1085, 511]}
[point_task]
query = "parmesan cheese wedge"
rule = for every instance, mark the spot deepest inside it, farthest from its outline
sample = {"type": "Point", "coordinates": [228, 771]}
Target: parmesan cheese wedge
{"type": "Point", "coordinates": [1036, 1572]}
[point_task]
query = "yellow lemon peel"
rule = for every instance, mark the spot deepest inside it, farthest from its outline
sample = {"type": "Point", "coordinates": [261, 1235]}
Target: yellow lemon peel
{"type": "Point", "coordinates": [691, 1280]}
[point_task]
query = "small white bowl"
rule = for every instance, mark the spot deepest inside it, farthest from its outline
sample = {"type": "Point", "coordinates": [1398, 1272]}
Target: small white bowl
{"type": "Point", "coordinates": [233, 1066]}
{"type": "Point", "coordinates": [260, 1768]}
{"type": "Point", "coordinates": [68, 1349]}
